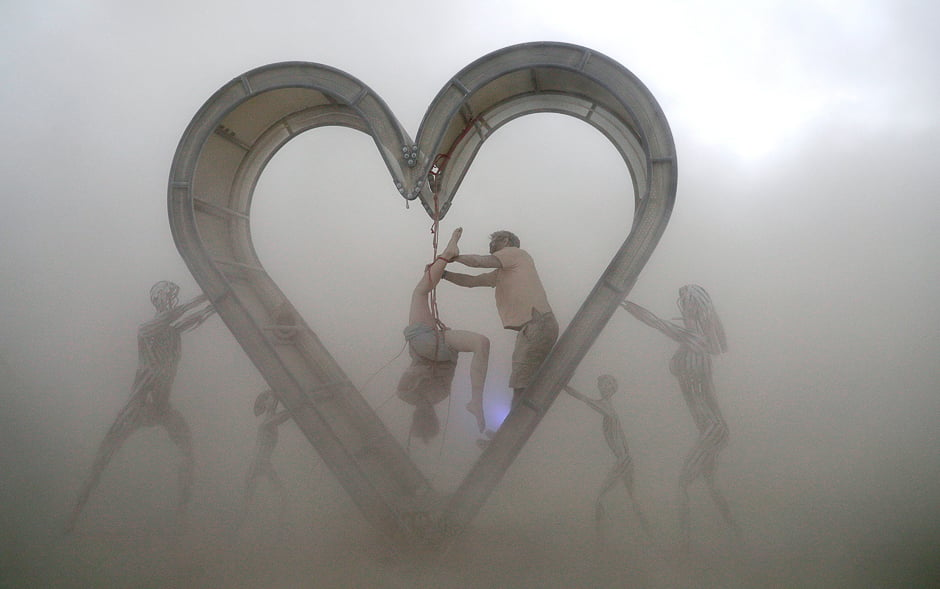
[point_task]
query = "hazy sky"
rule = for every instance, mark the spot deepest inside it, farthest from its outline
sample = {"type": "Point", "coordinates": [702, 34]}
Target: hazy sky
{"type": "Point", "coordinates": [806, 133]}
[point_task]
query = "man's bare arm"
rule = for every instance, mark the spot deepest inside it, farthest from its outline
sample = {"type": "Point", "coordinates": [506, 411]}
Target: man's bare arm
{"type": "Point", "coordinates": [470, 280]}
{"type": "Point", "coordinates": [478, 261]}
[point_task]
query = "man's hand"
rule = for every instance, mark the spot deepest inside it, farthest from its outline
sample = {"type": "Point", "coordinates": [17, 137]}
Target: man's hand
{"type": "Point", "coordinates": [485, 279]}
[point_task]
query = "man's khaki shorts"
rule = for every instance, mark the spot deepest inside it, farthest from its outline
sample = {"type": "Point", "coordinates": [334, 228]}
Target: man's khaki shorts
{"type": "Point", "coordinates": [533, 343]}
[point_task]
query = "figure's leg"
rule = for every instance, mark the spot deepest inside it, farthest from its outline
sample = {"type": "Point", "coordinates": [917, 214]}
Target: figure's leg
{"type": "Point", "coordinates": [700, 461]}
{"type": "Point", "coordinates": [251, 483]}
{"type": "Point", "coordinates": [627, 478]}
{"type": "Point", "coordinates": [180, 435]}
{"type": "Point", "coordinates": [420, 310]}
{"type": "Point", "coordinates": [685, 516]}
{"type": "Point", "coordinates": [479, 346]}
{"type": "Point", "coordinates": [702, 457]}
{"type": "Point", "coordinates": [609, 481]}
{"type": "Point", "coordinates": [691, 468]}
{"type": "Point", "coordinates": [722, 504]}
{"type": "Point", "coordinates": [126, 423]}
{"type": "Point", "coordinates": [281, 493]}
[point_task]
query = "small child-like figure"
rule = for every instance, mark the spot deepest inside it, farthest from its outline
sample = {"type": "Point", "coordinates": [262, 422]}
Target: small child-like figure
{"type": "Point", "coordinates": [617, 441]}
{"type": "Point", "coordinates": [261, 465]}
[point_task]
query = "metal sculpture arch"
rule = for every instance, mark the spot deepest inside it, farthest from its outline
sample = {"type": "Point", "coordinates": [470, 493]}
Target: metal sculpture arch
{"type": "Point", "coordinates": [238, 130]}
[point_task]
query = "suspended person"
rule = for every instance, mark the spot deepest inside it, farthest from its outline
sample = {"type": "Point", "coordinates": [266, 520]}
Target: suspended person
{"type": "Point", "coordinates": [261, 465]}
{"type": "Point", "coordinates": [700, 337]}
{"type": "Point", "coordinates": [434, 350]}
{"type": "Point", "coordinates": [159, 345]}
{"type": "Point", "coordinates": [520, 300]}
{"type": "Point", "coordinates": [622, 471]}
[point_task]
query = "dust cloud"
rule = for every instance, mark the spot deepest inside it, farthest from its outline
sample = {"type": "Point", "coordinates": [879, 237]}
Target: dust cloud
{"type": "Point", "coordinates": [820, 253]}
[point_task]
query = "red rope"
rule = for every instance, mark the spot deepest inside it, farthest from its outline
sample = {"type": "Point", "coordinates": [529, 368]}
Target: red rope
{"type": "Point", "coordinates": [432, 296]}
{"type": "Point", "coordinates": [437, 169]}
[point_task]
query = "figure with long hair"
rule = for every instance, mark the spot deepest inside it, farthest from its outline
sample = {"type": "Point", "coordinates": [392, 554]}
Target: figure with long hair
{"type": "Point", "coordinates": [434, 348]}
{"type": "Point", "coordinates": [622, 470]}
{"type": "Point", "coordinates": [159, 345]}
{"type": "Point", "coordinates": [700, 337]}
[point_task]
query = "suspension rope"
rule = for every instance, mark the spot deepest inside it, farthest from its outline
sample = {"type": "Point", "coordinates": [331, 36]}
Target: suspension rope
{"type": "Point", "coordinates": [374, 374]}
{"type": "Point", "coordinates": [432, 296]}
{"type": "Point", "coordinates": [439, 326]}
{"type": "Point", "coordinates": [434, 173]}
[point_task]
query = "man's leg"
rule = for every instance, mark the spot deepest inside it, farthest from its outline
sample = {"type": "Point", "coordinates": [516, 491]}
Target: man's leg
{"type": "Point", "coordinates": [533, 344]}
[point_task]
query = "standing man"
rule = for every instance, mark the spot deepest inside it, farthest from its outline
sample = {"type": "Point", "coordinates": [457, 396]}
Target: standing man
{"type": "Point", "coordinates": [520, 300]}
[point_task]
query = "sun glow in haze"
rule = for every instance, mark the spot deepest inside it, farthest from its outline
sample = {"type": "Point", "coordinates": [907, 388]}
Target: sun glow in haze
{"type": "Point", "coordinates": [750, 119]}
{"type": "Point", "coordinates": [723, 73]}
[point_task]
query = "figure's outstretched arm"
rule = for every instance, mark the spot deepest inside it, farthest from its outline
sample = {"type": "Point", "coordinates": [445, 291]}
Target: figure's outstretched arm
{"type": "Point", "coordinates": [174, 314]}
{"type": "Point", "coordinates": [278, 418]}
{"type": "Point", "coordinates": [592, 403]}
{"type": "Point", "coordinates": [469, 280]}
{"type": "Point", "coordinates": [196, 318]}
{"type": "Point", "coordinates": [575, 393]}
{"type": "Point", "coordinates": [672, 331]}
{"type": "Point", "coordinates": [194, 302]}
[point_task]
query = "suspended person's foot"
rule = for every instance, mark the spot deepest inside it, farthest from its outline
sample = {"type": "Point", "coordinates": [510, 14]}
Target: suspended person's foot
{"type": "Point", "coordinates": [486, 439]}
{"type": "Point", "coordinates": [451, 251]}
{"type": "Point", "coordinates": [476, 408]}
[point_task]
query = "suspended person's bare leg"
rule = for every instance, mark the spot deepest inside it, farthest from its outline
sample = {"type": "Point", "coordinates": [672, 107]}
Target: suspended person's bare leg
{"type": "Point", "coordinates": [478, 345]}
{"type": "Point", "coordinates": [456, 339]}
{"type": "Point", "coordinates": [420, 308]}
{"type": "Point", "coordinates": [451, 250]}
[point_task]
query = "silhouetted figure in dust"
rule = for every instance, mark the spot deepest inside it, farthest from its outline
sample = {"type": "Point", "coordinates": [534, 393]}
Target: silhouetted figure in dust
{"type": "Point", "coordinates": [700, 337]}
{"type": "Point", "coordinates": [622, 470]}
{"type": "Point", "coordinates": [159, 345]}
{"type": "Point", "coordinates": [261, 465]}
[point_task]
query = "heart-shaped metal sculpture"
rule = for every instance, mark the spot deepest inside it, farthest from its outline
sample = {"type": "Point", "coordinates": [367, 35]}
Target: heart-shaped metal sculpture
{"type": "Point", "coordinates": [239, 129]}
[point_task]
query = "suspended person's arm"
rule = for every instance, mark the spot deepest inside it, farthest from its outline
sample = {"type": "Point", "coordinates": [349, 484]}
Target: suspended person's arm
{"type": "Point", "coordinates": [470, 280]}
